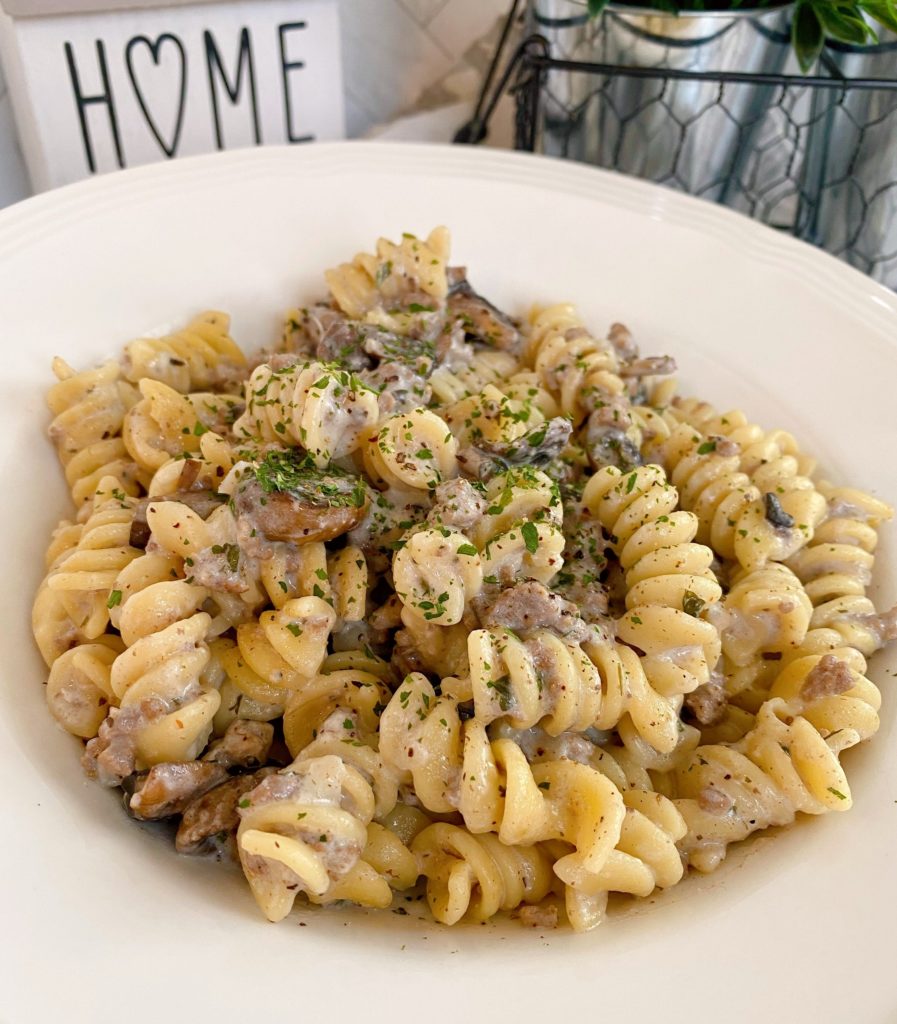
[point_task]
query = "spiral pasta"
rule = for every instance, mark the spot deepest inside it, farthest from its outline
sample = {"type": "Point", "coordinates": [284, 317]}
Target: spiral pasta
{"type": "Point", "coordinates": [386, 866]}
{"type": "Point", "coordinates": [82, 581]}
{"type": "Point", "coordinates": [162, 424]}
{"type": "Point", "coordinates": [492, 784]}
{"type": "Point", "coordinates": [303, 830]}
{"type": "Point", "coordinates": [452, 384]}
{"type": "Point", "coordinates": [668, 577]}
{"type": "Point", "coordinates": [527, 626]}
{"type": "Point", "coordinates": [205, 467]}
{"type": "Point", "coordinates": [340, 578]}
{"type": "Point", "coordinates": [564, 686]}
{"type": "Point", "coordinates": [746, 487]}
{"type": "Point", "coordinates": [645, 858]}
{"type": "Point", "coordinates": [197, 357]}
{"type": "Point", "coordinates": [411, 451]}
{"type": "Point", "coordinates": [520, 535]}
{"type": "Point", "coordinates": [787, 763]}
{"type": "Point", "coordinates": [437, 572]}
{"type": "Point", "coordinates": [159, 671]}
{"type": "Point", "coordinates": [836, 566]}
{"type": "Point", "coordinates": [336, 712]}
{"type": "Point", "coordinates": [572, 365]}
{"type": "Point", "coordinates": [325, 409]}
{"type": "Point", "coordinates": [79, 689]}
{"type": "Point", "coordinates": [385, 279]}
{"type": "Point", "coordinates": [477, 876]}
{"type": "Point", "coordinates": [89, 409]}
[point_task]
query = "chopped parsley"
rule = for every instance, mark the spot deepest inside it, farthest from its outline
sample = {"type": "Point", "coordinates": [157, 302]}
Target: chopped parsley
{"type": "Point", "coordinates": [292, 471]}
{"type": "Point", "coordinates": [530, 534]}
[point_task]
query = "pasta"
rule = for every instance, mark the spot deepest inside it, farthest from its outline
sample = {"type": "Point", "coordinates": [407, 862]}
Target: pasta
{"type": "Point", "coordinates": [433, 601]}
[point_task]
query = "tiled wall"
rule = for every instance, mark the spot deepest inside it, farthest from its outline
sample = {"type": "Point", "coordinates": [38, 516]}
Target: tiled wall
{"type": "Point", "coordinates": [398, 56]}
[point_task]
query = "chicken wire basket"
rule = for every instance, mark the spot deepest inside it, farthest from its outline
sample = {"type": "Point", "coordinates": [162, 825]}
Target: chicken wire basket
{"type": "Point", "coordinates": [814, 155]}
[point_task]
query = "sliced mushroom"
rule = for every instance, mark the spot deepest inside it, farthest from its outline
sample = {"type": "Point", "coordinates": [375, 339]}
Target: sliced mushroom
{"type": "Point", "coordinates": [649, 366]}
{"type": "Point", "coordinates": [167, 789]}
{"type": "Point", "coordinates": [482, 321]}
{"type": "Point", "coordinates": [300, 519]}
{"type": "Point", "coordinates": [245, 744]}
{"type": "Point", "coordinates": [537, 447]}
{"type": "Point", "coordinates": [215, 812]}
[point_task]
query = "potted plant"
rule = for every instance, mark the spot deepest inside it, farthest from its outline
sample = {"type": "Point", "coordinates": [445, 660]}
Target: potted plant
{"type": "Point", "coordinates": [683, 133]}
{"type": "Point", "coordinates": [812, 21]}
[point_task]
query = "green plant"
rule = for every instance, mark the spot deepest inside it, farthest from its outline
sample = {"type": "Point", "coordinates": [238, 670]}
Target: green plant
{"type": "Point", "coordinates": [812, 22]}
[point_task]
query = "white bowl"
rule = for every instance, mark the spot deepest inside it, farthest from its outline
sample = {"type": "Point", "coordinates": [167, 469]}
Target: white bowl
{"type": "Point", "coordinates": [101, 917]}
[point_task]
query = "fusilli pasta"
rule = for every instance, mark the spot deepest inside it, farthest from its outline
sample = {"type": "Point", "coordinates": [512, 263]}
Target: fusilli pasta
{"type": "Point", "coordinates": [426, 599]}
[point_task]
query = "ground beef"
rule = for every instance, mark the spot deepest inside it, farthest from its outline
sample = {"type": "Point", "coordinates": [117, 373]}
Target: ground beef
{"type": "Point", "coordinates": [218, 568]}
{"type": "Point", "coordinates": [714, 801]}
{"type": "Point", "coordinates": [458, 503]}
{"type": "Point", "coordinates": [883, 627]}
{"type": "Point", "coordinates": [538, 916]}
{"type": "Point", "coordinates": [406, 658]}
{"type": "Point", "coordinates": [110, 757]}
{"type": "Point", "coordinates": [708, 703]}
{"type": "Point", "coordinates": [828, 677]}
{"type": "Point", "coordinates": [400, 387]}
{"type": "Point", "coordinates": [531, 605]}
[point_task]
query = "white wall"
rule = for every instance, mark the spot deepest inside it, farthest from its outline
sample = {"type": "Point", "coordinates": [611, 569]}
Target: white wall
{"type": "Point", "coordinates": [13, 180]}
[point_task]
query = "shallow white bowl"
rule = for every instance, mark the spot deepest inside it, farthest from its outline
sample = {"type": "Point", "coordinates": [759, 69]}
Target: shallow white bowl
{"type": "Point", "coordinates": [100, 918]}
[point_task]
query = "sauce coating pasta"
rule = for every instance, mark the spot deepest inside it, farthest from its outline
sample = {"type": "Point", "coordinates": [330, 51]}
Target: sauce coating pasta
{"type": "Point", "coordinates": [428, 596]}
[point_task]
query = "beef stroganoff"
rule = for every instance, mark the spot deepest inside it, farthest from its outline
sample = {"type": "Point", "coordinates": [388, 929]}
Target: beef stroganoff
{"type": "Point", "coordinates": [429, 595]}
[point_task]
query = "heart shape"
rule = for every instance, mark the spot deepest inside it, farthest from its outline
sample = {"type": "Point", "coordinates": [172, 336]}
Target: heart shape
{"type": "Point", "coordinates": [154, 48]}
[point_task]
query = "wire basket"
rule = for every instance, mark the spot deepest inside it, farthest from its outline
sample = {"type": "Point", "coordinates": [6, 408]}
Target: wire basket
{"type": "Point", "coordinates": [813, 155]}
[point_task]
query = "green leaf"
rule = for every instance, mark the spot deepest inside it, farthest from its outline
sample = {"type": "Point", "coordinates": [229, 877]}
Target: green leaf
{"type": "Point", "coordinates": [530, 537]}
{"type": "Point", "coordinates": [843, 23]}
{"type": "Point", "coordinates": [596, 7]}
{"type": "Point", "coordinates": [882, 11]}
{"type": "Point", "coordinates": [807, 36]}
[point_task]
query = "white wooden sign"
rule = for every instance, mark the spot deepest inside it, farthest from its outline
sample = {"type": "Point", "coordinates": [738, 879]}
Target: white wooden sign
{"type": "Point", "coordinates": [113, 89]}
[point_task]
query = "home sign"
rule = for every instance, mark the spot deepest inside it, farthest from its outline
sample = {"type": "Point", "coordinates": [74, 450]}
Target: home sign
{"type": "Point", "coordinates": [111, 89]}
